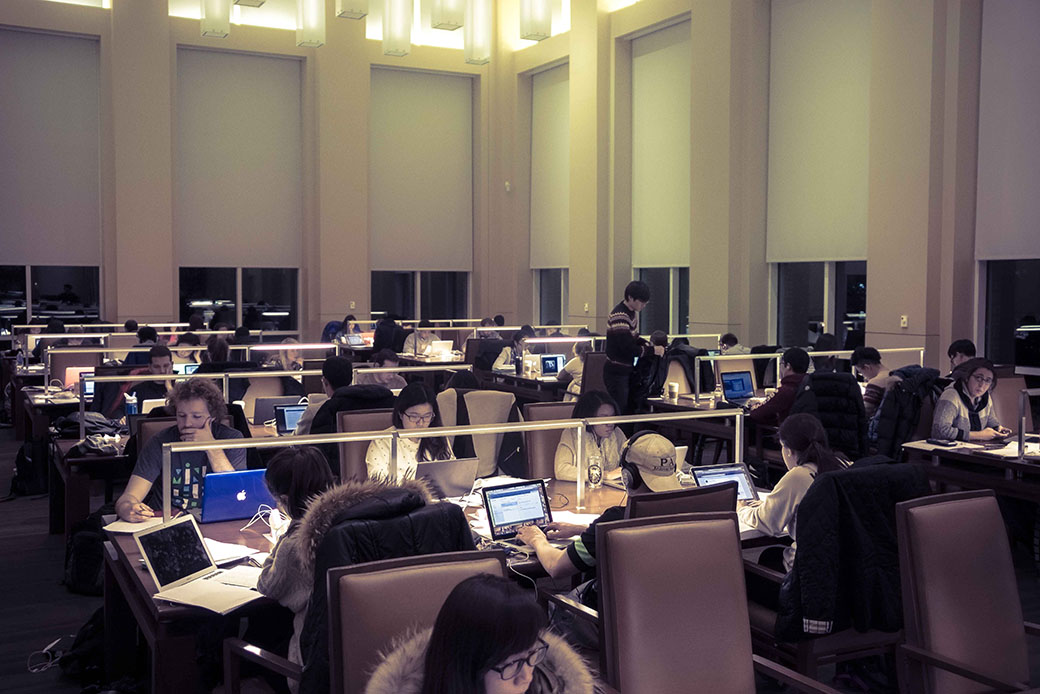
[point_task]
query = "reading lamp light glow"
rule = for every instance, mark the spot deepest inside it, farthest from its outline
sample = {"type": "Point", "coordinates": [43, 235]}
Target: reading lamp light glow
{"type": "Point", "coordinates": [535, 20]}
{"type": "Point", "coordinates": [397, 27]}
{"type": "Point", "coordinates": [310, 23]}
{"type": "Point", "coordinates": [351, 9]}
{"type": "Point", "coordinates": [216, 18]}
{"type": "Point", "coordinates": [476, 32]}
{"type": "Point", "coordinates": [447, 14]}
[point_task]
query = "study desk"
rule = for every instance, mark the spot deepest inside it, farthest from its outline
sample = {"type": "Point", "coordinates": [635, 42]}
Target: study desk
{"type": "Point", "coordinates": [971, 466]}
{"type": "Point", "coordinates": [525, 389]}
{"type": "Point", "coordinates": [721, 428]}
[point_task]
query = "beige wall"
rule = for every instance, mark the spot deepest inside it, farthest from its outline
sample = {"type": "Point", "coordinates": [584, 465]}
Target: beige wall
{"type": "Point", "coordinates": [923, 130]}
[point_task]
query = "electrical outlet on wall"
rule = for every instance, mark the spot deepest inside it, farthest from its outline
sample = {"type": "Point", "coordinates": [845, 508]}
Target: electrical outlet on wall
{"type": "Point", "coordinates": [904, 321]}
{"type": "Point", "coordinates": [353, 304]}
{"type": "Point", "coordinates": [586, 307]}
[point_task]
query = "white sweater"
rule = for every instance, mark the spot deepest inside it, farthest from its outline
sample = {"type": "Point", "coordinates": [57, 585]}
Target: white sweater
{"type": "Point", "coordinates": [775, 515]}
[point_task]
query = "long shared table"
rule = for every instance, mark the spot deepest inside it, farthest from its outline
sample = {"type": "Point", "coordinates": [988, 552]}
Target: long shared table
{"type": "Point", "coordinates": [978, 466]}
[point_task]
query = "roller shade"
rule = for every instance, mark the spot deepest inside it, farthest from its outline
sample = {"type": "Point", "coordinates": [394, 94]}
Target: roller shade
{"type": "Point", "coordinates": [550, 168]}
{"type": "Point", "coordinates": [420, 171]}
{"type": "Point", "coordinates": [50, 151]}
{"type": "Point", "coordinates": [661, 148]}
{"type": "Point", "coordinates": [238, 172]}
{"type": "Point", "coordinates": [819, 111]}
{"type": "Point", "coordinates": [1007, 222]}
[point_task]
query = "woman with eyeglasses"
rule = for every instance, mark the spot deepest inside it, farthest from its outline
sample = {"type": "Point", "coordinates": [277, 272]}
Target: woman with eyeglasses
{"type": "Point", "coordinates": [965, 411]}
{"type": "Point", "coordinates": [489, 638]}
{"type": "Point", "coordinates": [603, 440]}
{"type": "Point", "coordinates": [416, 408]}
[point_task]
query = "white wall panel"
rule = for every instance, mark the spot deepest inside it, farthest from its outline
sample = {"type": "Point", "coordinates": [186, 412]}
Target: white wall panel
{"type": "Point", "coordinates": [550, 168]}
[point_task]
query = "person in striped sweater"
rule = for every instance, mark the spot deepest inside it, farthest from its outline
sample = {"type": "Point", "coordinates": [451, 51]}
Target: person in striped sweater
{"type": "Point", "coordinates": [624, 345]}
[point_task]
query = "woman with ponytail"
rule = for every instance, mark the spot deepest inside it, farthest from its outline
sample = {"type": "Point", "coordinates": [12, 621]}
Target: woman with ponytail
{"type": "Point", "coordinates": [803, 443]}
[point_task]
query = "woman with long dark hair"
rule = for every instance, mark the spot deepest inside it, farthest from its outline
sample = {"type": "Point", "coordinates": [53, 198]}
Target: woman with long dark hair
{"type": "Point", "coordinates": [803, 443]}
{"type": "Point", "coordinates": [964, 412]}
{"type": "Point", "coordinates": [415, 408]}
{"type": "Point", "coordinates": [604, 440]}
{"type": "Point", "coordinates": [489, 638]}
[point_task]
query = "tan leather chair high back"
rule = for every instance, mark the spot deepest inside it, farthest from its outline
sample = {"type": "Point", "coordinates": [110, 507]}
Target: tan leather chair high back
{"type": "Point", "coordinates": [119, 340]}
{"type": "Point", "coordinates": [60, 362]}
{"type": "Point", "coordinates": [1005, 403]}
{"type": "Point", "coordinates": [592, 372]}
{"type": "Point", "coordinates": [648, 588]}
{"type": "Point", "coordinates": [372, 604]}
{"type": "Point", "coordinates": [488, 407]}
{"type": "Point", "coordinates": [260, 388]}
{"type": "Point", "coordinates": [149, 427]}
{"type": "Point", "coordinates": [960, 594]}
{"type": "Point", "coordinates": [352, 453]}
{"type": "Point", "coordinates": [541, 445]}
{"type": "Point", "coordinates": [717, 497]}
{"type": "Point", "coordinates": [677, 374]}
{"type": "Point", "coordinates": [924, 419]}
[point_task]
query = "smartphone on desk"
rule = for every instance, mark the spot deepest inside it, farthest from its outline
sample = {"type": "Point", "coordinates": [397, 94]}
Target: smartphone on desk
{"type": "Point", "coordinates": [941, 442]}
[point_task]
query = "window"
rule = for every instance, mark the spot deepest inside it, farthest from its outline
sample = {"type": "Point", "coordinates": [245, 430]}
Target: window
{"type": "Point", "coordinates": [799, 303]}
{"type": "Point", "coordinates": [850, 303]}
{"type": "Point", "coordinates": [426, 294]}
{"type": "Point", "coordinates": [269, 298]}
{"type": "Point", "coordinates": [12, 297]}
{"type": "Point", "coordinates": [669, 307]}
{"type": "Point", "coordinates": [551, 294]}
{"type": "Point", "coordinates": [209, 291]}
{"type": "Point", "coordinates": [66, 292]}
{"type": "Point", "coordinates": [1012, 299]}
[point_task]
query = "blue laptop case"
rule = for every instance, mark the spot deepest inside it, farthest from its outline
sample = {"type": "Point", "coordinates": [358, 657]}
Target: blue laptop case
{"type": "Point", "coordinates": [234, 495]}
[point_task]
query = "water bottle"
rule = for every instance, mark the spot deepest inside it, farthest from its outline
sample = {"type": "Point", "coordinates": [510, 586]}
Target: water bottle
{"type": "Point", "coordinates": [595, 465]}
{"type": "Point", "coordinates": [131, 403]}
{"type": "Point", "coordinates": [20, 359]}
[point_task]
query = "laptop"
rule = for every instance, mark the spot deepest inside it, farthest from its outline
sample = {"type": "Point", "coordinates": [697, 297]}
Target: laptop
{"type": "Point", "coordinates": [72, 374]}
{"type": "Point", "coordinates": [234, 495]}
{"type": "Point", "coordinates": [737, 387]}
{"type": "Point", "coordinates": [263, 408]}
{"type": "Point", "coordinates": [175, 552]}
{"type": "Point", "coordinates": [354, 340]}
{"type": "Point", "coordinates": [150, 404]}
{"type": "Point", "coordinates": [186, 369]}
{"type": "Point", "coordinates": [512, 506]}
{"type": "Point", "coordinates": [439, 348]}
{"type": "Point", "coordinates": [707, 475]}
{"type": "Point", "coordinates": [286, 417]}
{"type": "Point", "coordinates": [552, 364]}
{"type": "Point", "coordinates": [449, 478]}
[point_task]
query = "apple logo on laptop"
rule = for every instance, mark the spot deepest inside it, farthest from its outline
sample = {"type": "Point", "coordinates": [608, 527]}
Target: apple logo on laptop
{"type": "Point", "coordinates": [241, 496]}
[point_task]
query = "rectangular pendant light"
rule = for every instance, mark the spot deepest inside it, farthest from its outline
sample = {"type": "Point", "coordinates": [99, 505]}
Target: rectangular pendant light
{"type": "Point", "coordinates": [310, 23]}
{"type": "Point", "coordinates": [535, 19]}
{"type": "Point", "coordinates": [397, 27]}
{"type": "Point", "coordinates": [476, 32]}
{"type": "Point", "coordinates": [216, 18]}
{"type": "Point", "coordinates": [250, 3]}
{"type": "Point", "coordinates": [351, 9]}
{"type": "Point", "coordinates": [447, 14]}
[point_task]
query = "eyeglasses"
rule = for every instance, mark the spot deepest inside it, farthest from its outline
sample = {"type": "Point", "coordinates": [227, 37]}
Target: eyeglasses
{"type": "Point", "coordinates": [512, 668]}
{"type": "Point", "coordinates": [982, 380]}
{"type": "Point", "coordinates": [419, 418]}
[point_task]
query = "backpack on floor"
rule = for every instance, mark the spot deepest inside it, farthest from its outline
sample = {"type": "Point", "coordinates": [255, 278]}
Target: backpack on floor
{"type": "Point", "coordinates": [30, 475]}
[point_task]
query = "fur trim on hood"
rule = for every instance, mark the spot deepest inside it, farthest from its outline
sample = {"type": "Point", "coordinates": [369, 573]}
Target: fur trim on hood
{"type": "Point", "coordinates": [401, 672]}
{"type": "Point", "coordinates": [324, 511]}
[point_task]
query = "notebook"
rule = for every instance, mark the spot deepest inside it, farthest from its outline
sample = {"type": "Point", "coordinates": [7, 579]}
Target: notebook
{"type": "Point", "coordinates": [449, 478]}
{"type": "Point", "coordinates": [512, 506]}
{"type": "Point", "coordinates": [184, 571]}
{"type": "Point", "coordinates": [707, 475]}
{"type": "Point", "coordinates": [286, 417]}
{"type": "Point", "coordinates": [737, 387]}
{"type": "Point", "coordinates": [263, 408]}
{"type": "Point", "coordinates": [552, 364]}
{"type": "Point", "coordinates": [234, 495]}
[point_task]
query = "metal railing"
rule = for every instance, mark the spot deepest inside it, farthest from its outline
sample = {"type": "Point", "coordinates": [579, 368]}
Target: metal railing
{"type": "Point", "coordinates": [28, 340]}
{"type": "Point", "coordinates": [168, 449]}
{"type": "Point", "coordinates": [1023, 411]}
{"type": "Point", "coordinates": [844, 354]}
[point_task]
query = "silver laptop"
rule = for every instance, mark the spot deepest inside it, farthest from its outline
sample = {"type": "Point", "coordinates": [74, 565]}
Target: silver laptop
{"type": "Point", "coordinates": [737, 387]}
{"type": "Point", "coordinates": [707, 475]}
{"type": "Point", "coordinates": [449, 478]}
{"type": "Point", "coordinates": [175, 552]}
{"type": "Point", "coordinates": [512, 506]}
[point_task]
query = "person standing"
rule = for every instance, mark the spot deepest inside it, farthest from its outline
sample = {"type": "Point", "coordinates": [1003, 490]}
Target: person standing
{"type": "Point", "coordinates": [624, 345]}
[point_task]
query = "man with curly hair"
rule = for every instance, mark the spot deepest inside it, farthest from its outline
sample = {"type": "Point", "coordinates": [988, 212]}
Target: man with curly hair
{"type": "Point", "coordinates": [199, 405]}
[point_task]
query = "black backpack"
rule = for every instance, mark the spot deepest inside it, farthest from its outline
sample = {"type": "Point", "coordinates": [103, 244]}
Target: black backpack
{"type": "Point", "coordinates": [30, 473]}
{"type": "Point", "coordinates": [85, 554]}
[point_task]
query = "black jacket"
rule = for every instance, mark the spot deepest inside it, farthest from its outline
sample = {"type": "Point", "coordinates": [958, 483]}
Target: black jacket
{"type": "Point", "coordinates": [895, 421]}
{"type": "Point", "coordinates": [836, 400]}
{"type": "Point", "coordinates": [846, 565]}
{"type": "Point", "coordinates": [360, 522]}
{"type": "Point", "coordinates": [356, 397]}
{"type": "Point", "coordinates": [684, 354]}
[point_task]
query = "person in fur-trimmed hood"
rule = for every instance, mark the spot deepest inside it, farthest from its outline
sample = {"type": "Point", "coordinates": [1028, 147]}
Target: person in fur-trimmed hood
{"type": "Point", "coordinates": [489, 638]}
{"type": "Point", "coordinates": [336, 528]}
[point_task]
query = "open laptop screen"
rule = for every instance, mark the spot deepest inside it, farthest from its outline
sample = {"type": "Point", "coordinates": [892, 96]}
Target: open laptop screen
{"type": "Point", "coordinates": [174, 552]}
{"type": "Point", "coordinates": [720, 474]}
{"type": "Point", "coordinates": [737, 384]}
{"type": "Point", "coordinates": [552, 364]}
{"type": "Point", "coordinates": [512, 506]}
{"type": "Point", "coordinates": [286, 417]}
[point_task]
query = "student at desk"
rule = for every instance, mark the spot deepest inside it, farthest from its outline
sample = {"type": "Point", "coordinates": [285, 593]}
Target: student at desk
{"type": "Point", "coordinates": [160, 363]}
{"type": "Point", "coordinates": [416, 408]}
{"type": "Point", "coordinates": [421, 338]}
{"type": "Point", "coordinates": [803, 443]}
{"type": "Point", "coordinates": [504, 362]}
{"type": "Point", "coordinates": [604, 440]}
{"type": "Point", "coordinates": [572, 371]}
{"type": "Point", "coordinates": [199, 405]}
{"type": "Point", "coordinates": [384, 359]}
{"type": "Point", "coordinates": [793, 365]}
{"type": "Point", "coordinates": [964, 412]}
{"type": "Point", "coordinates": [648, 465]}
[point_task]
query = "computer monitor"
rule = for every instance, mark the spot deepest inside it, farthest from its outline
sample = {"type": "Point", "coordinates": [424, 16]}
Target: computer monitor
{"type": "Point", "coordinates": [552, 364]}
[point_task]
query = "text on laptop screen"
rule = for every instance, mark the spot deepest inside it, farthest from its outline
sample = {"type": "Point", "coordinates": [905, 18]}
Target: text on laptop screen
{"type": "Point", "coordinates": [291, 414]}
{"type": "Point", "coordinates": [726, 473]}
{"type": "Point", "coordinates": [88, 386]}
{"type": "Point", "coordinates": [175, 552]}
{"type": "Point", "coordinates": [552, 364]}
{"type": "Point", "coordinates": [737, 384]}
{"type": "Point", "coordinates": [515, 506]}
